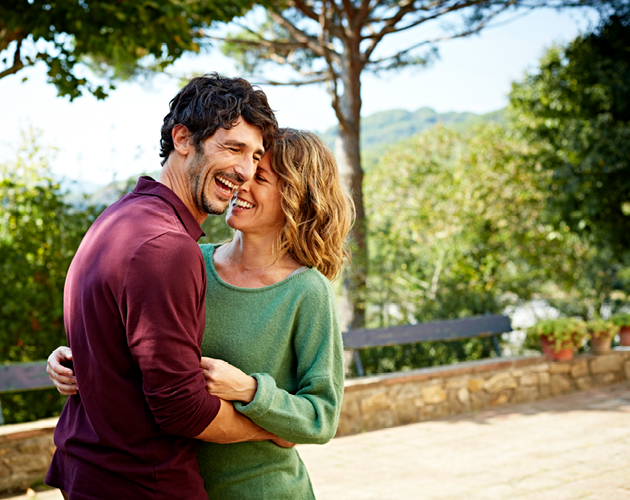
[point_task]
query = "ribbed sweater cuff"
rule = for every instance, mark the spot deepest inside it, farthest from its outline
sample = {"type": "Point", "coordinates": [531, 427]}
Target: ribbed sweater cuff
{"type": "Point", "coordinates": [263, 399]}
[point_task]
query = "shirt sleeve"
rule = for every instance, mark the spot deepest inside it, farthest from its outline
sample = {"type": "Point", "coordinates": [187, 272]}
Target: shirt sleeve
{"type": "Point", "coordinates": [311, 414]}
{"type": "Point", "coordinates": [164, 313]}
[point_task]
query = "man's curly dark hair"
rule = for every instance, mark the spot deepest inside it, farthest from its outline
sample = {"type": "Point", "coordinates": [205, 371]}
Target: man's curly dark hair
{"type": "Point", "coordinates": [212, 101]}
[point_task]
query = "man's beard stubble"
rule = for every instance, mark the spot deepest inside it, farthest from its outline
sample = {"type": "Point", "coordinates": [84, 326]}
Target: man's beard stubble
{"type": "Point", "coordinates": [198, 182]}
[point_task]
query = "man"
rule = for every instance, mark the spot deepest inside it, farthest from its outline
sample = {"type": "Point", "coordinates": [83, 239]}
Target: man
{"type": "Point", "coordinates": [134, 310]}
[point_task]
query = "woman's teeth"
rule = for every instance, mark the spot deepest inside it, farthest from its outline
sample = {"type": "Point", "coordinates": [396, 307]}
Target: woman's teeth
{"type": "Point", "coordinates": [242, 203]}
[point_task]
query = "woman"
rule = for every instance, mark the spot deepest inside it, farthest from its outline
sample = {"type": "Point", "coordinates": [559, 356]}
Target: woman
{"type": "Point", "coordinates": [272, 319]}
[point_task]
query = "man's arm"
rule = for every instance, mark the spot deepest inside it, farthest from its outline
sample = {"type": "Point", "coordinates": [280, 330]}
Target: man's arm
{"type": "Point", "coordinates": [228, 426]}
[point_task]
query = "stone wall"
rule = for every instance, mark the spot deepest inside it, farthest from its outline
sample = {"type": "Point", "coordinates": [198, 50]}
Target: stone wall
{"type": "Point", "coordinates": [25, 453]}
{"type": "Point", "coordinates": [401, 398]}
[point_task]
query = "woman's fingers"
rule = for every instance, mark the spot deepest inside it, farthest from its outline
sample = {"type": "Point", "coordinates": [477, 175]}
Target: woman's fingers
{"type": "Point", "coordinates": [67, 389]}
{"type": "Point", "coordinates": [62, 377]}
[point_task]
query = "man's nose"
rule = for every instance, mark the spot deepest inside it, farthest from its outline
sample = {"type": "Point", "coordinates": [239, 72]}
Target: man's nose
{"type": "Point", "coordinates": [246, 168]}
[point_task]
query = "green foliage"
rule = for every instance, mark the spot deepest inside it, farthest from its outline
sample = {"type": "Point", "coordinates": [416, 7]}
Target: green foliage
{"type": "Point", "coordinates": [217, 231]}
{"type": "Point", "coordinates": [117, 39]}
{"type": "Point", "coordinates": [457, 227]}
{"type": "Point", "coordinates": [424, 354]}
{"type": "Point", "coordinates": [601, 328]}
{"type": "Point", "coordinates": [564, 333]}
{"type": "Point", "coordinates": [621, 319]}
{"type": "Point", "coordinates": [39, 234]}
{"type": "Point", "coordinates": [27, 406]}
{"type": "Point", "coordinates": [576, 110]}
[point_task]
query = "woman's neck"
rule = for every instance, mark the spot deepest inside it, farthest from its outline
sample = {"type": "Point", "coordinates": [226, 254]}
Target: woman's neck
{"type": "Point", "coordinates": [249, 261]}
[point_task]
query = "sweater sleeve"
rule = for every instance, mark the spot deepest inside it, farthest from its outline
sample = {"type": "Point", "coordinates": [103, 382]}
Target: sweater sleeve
{"type": "Point", "coordinates": [311, 414]}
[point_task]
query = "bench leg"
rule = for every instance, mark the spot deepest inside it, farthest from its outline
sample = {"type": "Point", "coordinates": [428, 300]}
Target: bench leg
{"type": "Point", "coordinates": [497, 347]}
{"type": "Point", "coordinates": [357, 363]}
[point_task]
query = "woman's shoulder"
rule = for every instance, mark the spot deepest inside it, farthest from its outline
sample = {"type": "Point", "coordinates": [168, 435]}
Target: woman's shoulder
{"type": "Point", "coordinates": [207, 249]}
{"type": "Point", "coordinates": [313, 283]}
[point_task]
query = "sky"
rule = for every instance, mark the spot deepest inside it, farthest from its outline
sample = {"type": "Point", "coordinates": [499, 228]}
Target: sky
{"type": "Point", "coordinates": [100, 141]}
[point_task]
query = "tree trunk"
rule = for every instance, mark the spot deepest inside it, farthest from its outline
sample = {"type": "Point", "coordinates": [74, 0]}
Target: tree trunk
{"type": "Point", "coordinates": [348, 152]}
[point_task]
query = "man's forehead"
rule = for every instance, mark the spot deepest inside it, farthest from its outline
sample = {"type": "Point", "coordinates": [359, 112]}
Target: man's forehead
{"type": "Point", "coordinates": [241, 128]}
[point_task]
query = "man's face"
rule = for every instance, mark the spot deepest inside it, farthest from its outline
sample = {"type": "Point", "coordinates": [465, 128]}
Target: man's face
{"type": "Point", "coordinates": [229, 158]}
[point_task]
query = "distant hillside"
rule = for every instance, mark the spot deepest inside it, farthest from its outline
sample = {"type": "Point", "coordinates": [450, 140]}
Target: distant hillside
{"type": "Point", "coordinates": [389, 127]}
{"type": "Point", "coordinates": [377, 131]}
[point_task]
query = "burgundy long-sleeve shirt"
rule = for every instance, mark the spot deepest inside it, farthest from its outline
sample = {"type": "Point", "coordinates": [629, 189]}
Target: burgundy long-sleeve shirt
{"type": "Point", "coordinates": [134, 313]}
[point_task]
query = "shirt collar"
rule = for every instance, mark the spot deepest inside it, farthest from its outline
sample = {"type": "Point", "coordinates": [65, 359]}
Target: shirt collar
{"type": "Point", "coordinates": [148, 186]}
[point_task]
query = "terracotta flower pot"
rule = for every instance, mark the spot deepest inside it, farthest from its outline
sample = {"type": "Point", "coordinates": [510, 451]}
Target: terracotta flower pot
{"type": "Point", "coordinates": [549, 347]}
{"type": "Point", "coordinates": [624, 336]}
{"type": "Point", "coordinates": [601, 343]}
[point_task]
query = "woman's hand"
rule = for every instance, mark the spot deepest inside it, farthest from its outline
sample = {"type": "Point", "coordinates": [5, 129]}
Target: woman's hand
{"type": "Point", "coordinates": [227, 381]}
{"type": "Point", "coordinates": [62, 377]}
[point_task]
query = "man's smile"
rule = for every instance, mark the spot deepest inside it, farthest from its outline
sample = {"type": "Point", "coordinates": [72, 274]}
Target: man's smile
{"type": "Point", "coordinates": [225, 186]}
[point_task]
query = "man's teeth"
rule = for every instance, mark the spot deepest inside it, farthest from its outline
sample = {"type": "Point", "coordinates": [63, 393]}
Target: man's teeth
{"type": "Point", "coordinates": [226, 182]}
{"type": "Point", "coordinates": [242, 203]}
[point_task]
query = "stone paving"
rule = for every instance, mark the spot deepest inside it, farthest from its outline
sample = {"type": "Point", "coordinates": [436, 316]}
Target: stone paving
{"type": "Point", "coordinates": [570, 447]}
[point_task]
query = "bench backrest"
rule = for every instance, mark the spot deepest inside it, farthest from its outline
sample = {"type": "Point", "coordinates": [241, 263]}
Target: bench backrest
{"type": "Point", "coordinates": [455, 329]}
{"type": "Point", "coordinates": [23, 377]}
{"type": "Point", "coordinates": [474, 326]}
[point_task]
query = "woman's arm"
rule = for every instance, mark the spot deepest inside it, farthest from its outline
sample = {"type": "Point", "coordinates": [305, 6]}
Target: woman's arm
{"type": "Point", "coordinates": [312, 413]}
{"type": "Point", "coordinates": [63, 378]}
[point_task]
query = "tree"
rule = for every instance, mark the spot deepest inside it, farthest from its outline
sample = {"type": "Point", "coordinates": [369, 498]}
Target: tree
{"type": "Point", "coordinates": [576, 109]}
{"type": "Point", "coordinates": [39, 234]}
{"type": "Point", "coordinates": [458, 226]}
{"type": "Point", "coordinates": [334, 42]}
{"type": "Point", "coordinates": [118, 39]}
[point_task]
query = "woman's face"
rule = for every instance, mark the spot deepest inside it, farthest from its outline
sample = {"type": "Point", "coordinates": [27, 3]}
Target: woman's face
{"type": "Point", "coordinates": [255, 208]}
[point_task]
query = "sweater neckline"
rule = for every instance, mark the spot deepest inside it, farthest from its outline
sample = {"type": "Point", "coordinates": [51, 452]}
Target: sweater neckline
{"type": "Point", "coordinates": [289, 278]}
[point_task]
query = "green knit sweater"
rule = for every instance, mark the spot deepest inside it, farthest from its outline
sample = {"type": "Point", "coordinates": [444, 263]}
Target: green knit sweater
{"type": "Point", "coordinates": [287, 336]}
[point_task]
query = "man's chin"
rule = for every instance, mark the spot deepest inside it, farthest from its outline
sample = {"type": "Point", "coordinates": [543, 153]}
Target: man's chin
{"type": "Point", "coordinates": [215, 208]}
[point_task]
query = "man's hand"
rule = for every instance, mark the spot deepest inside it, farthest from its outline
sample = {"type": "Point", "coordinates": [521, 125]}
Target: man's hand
{"type": "Point", "coordinates": [228, 382]}
{"type": "Point", "coordinates": [62, 377]}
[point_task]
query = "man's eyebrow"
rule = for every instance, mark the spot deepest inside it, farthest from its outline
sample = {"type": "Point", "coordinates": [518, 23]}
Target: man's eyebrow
{"type": "Point", "coordinates": [233, 142]}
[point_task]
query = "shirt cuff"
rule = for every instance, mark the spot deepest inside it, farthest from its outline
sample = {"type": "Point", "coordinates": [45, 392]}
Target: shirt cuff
{"type": "Point", "coordinates": [263, 399]}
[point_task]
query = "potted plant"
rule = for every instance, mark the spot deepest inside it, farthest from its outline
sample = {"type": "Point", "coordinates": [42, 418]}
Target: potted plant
{"type": "Point", "coordinates": [623, 322]}
{"type": "Point", "coordinates": [559, 337]}
{"type": "Point", "coordinates": [601, 333]}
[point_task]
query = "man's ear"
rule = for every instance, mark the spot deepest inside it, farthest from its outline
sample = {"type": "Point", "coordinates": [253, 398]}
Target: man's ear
{"type": "Point", "coordinates": [182, 139]}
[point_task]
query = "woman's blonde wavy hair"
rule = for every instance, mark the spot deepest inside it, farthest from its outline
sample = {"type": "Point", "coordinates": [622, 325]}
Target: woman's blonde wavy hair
{"type": "Point", "coordinates": [318, 210]}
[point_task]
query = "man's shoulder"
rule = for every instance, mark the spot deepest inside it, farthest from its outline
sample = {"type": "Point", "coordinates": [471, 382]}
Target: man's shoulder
{"type": "Point", "coordinates": [141, 217]}
{"type": "Point", "coordinates": [164, 243]}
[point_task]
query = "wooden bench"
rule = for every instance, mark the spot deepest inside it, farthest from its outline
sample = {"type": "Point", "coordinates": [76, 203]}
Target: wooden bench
{"type": "Point", "coordinates": [456, 329]}
{"type": "Point", "coordinates": [15, 377]}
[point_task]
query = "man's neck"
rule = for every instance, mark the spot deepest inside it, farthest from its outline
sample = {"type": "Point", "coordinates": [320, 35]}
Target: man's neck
{"type": "Point", "coordinates": [176, 181]}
